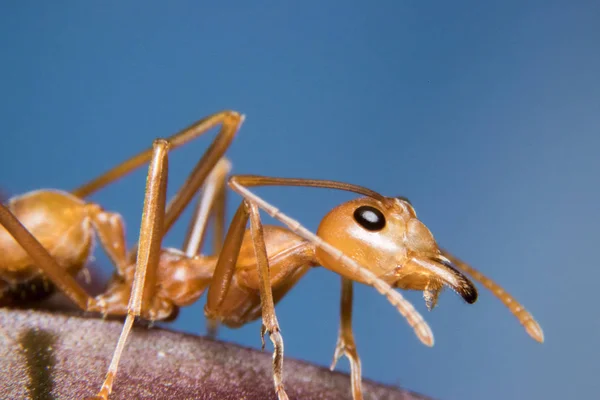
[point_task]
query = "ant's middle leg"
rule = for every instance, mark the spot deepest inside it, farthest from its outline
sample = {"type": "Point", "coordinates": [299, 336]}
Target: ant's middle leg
{"type": "Point", "coordinates": [345, 343]}
{"type": "Point", "coordinates": [147, 256]}
{"type": "Point", "coordinates": [232, 305]}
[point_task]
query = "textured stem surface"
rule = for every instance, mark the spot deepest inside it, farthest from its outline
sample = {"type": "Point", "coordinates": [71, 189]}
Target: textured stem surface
{"type": "Point", "coordinates": [53, 355]}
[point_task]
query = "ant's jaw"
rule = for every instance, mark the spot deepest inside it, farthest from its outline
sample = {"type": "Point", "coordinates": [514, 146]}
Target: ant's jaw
{"type": "Point", "coordinates": [463, 286]}
{"type": "Point", "coordinates": [443, 271]}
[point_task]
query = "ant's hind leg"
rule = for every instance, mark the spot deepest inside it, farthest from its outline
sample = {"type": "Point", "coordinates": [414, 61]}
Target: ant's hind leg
{"type": "Point", "coordinates": [230, 123]}
{"type": "Point", "coordinates": [151, 232]}
{"type": "Point", "coordinates": [213, 157]}
{"type": "Point", "coordinates": [345, 343]}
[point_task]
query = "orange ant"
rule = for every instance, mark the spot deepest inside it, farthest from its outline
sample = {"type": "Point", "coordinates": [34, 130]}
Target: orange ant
{"type": "Point", "coordinates": [257, 267]}
{"type": "Point", "coordinates": [374, 240]}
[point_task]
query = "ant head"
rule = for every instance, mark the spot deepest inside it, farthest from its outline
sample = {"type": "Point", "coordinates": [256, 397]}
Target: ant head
{"type": "Point", "coordinates": [385, 236]}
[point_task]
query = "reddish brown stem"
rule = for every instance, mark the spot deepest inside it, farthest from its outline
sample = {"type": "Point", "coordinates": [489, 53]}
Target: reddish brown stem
{"type": "Point", "coordinates": [53, 355]}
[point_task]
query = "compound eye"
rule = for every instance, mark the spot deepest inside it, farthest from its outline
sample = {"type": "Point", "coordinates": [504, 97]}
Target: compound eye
{"type": "Point", "coordinates": [369, 218]}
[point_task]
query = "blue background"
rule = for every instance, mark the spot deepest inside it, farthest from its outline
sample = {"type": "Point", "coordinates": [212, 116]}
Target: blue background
{"type": "Point", "coordinates": [485, 115]}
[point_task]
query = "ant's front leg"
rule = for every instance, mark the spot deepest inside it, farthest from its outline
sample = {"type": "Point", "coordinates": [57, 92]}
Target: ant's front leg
{"type": "Point", "coordinates": [269, 324]}
{"type": "Point", "coordinates": [345, 343]}
{"type": "Point", "coordinates": [226, 265]}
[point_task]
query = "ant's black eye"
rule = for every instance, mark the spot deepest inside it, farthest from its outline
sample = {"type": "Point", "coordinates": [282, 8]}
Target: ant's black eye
{"type": "Point", "coordinates": [369, 218]}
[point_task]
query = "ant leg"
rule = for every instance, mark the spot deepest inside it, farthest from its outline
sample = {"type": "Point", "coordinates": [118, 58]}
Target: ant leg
{"type": "Point", "coordinates": [525, 318]}
{"type": "Point", "coordinates": [218, 216]}
{"type": "Point", "coordinates": [345, 343]}
{"type": "Point", "coordinates": [205, 165]}
{"type": "Point", "coordinates": [230, 121]}
{"type": "Point", "coordinates": [269, 324]}
{"type": "Point", "coordinates": [148, 253]}
{"type": "Point", "coordinates": [43, 260]}
{"type": "Point", "coordinates": [110, 231]}
{"type": "Point", "coordinates": [209, 205]}
{"type": "Point", "coordinates": [111, 234]}
{"type": "Point", "coordinates": [226, 263]}
{"type": "Point", "coordinates": [225, 268]}
{"type": "Point", "coordinates": [223, 275]}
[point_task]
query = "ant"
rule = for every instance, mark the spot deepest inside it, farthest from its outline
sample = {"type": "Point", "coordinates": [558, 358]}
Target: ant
{"type": "Point", "coordinates": [257, 267]}
{"type": "Point", "coordinates": [374, 240]}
